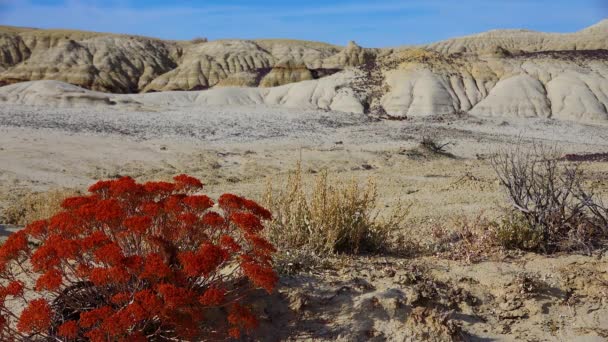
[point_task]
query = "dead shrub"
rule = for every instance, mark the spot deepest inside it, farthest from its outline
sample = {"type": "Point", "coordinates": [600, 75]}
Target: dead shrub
{"type": "Point", "coordinates": [332, 216]}
{"type": "Point", "coordinates": [432, 144]}
{"type": "Point", "coordinates": [552, 209]}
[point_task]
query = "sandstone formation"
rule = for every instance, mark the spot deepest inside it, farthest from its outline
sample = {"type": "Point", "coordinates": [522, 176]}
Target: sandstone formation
{"type": "Point", "coordinates": [564, 85]}
{"type": "Point", "coordinates": [591, 38]}
{"type": "Point", "coordinates": [286, 72]}
{"type": "Point", "coordinates": [329, 93]}
{"type": "Point", "coordinates": [509, 73]}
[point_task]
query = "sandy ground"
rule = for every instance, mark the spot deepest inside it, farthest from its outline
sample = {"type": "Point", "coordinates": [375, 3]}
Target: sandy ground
{"type": "Point", "coordinates": [241, 149]}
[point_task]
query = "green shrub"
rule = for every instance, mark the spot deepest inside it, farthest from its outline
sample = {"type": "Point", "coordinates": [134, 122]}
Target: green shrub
{"type": "Point", "coordinates": [513, 231]}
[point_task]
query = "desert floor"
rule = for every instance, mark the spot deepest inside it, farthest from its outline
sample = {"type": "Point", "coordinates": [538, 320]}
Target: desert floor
{"type": "Point", "coordinates": [381, 297]}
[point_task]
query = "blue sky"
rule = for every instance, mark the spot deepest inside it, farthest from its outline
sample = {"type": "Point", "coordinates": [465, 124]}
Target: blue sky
{"type": "Point", "coordinates": [370, 23]}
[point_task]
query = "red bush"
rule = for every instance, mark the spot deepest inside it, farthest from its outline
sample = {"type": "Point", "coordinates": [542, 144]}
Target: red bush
{"type": "Point", "coordinates": [136, 261]}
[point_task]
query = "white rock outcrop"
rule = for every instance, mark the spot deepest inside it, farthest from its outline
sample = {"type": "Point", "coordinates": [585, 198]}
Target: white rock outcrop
{"type": "Point", "coordinates": [501, 73]}
{"type": "Point", "coordinates": [328, 93]}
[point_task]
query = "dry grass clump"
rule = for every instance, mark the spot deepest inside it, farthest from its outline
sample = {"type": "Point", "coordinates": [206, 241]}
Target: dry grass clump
{"type": "Point", "coordinates": [331, 216]}
{"type": "Point", "coordinates": [552, 209]}
{"type": "Point", "coordinates": [465, 239]}
{"type": "Point", "coordinates": [35, 206]}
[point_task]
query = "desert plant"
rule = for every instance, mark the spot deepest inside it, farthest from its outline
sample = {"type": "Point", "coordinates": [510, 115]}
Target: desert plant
{"type": "Point", "coordinates": [199, 40]}
{"type": "Point", "coordinates": [432, 144]}
{"type": "Point", "coordinates": [466, 239]}
{"type": "Point", "coordinates": [335, 216]}
{"type": "Point", "coordinates": [549, 196]}
{"type": "Point", "coordinates": [152, 261]}
{"type": "Point", "coordinates": [513, 231]}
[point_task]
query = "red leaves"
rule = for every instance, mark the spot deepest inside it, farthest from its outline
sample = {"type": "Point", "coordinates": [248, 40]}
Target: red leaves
{"type": "Point", "coordinates": [15, 244]}
{"type": "Point", "coordinates": [141, 261]}
{"type": "Point", "coordinates": [68, 330]}
{"type": "Point", "coordinates": [45, 258]}
{"type": "Point", "coordinates": [263, 247]}
{"type": "Point", "coordinates": [51, 281]}
{"type": "Point", "coordinates": [91, 318]}
{"type": "Point", "coordinates": [159, 187]}
{"type": "Point", "coordinates": [14, 288]}
{"type": "Point", "coordinates": [174, 296]}
{"type": "Point", "coordinates": [121, 298]}
{"type": "Point", "coordinates": [185, 182]}
{"type": "Point", "coordinates": [203, 262]}
{"type": "Point", "coordinates": [148, 300]}
{"type": "Point", "coordinates": [228, 242]}
{"type": "Point", "coordinates": [257, 209]}
{"type": "Point", "coordinates": [212, 297]}
{"type": "Point", "coordinates": [97, 238]}
{"type": "Point", "coordinates": [76, 202]}
{"type": "Point", "coordinates": [100, 186]}
{"type": "Point", "coordinates": [261, 276]}
{"type": "Point", "coordinates": [138, 224]}
{"type": "Point", "coordinates": [110, 254]}
{"type": "Point", "coordinates": [36, 317]}
{"type": "Point", "coordinates": [37, 228]}
{"type": "Point", "coordinates": [188, 219]}
{"type": "Point", "coordinates": [211, 257]}
{"type": "Point", "coordinates": [248, 222]}
{"type": "Point", "coordinates": [241, 318]}
{"type": "Point", "coordinates": [214, 220]}
{"type": "Point", "coordinates": [64, 223]}
{"type": "Point", "coordinates": [155, 268]}
{"type": "Point", "coordinates": [104, 276]}
{"type": "Point", "coordinates": [191, 263]}
{"type": "Point", "coordinates": [108, 211]}
{"type": "Point", "coordinates": [230, 202]}
{"type": "Point", "coordinates": [125, 186]}
{"type": "Point", "coordinates": [201, 202]}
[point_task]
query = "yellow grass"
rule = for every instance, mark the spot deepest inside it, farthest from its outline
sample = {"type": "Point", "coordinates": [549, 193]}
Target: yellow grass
{"type": "Point", "coordinates": [36, 206]}
{"type": "Point", "coordinates": [335, 216]}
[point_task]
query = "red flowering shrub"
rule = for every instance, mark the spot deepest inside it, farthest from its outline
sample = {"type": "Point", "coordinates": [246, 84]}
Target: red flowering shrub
{"type": "Point", "coordinates": [137, 262]}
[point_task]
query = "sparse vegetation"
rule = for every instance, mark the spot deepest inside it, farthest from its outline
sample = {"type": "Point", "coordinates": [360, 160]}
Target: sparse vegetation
{"type": "Point", "coordinates": [513, 231]}
{"type": "Point", "coordinates": [469, 240]}
{"type": "Point", "coordinates": [199, 40]}
{"type": "Point", "coordinates": [35, 206]}
{"type": "Point", "coordinates": [432, 144]}
{"type": "Point", "coordinates": [552, 209]}
{"type": "Point", "coordinates": [337, 216]}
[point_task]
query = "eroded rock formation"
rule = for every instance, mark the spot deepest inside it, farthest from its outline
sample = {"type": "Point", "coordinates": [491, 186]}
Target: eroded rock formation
{"type": "Point", "coordinates": [510, 73]}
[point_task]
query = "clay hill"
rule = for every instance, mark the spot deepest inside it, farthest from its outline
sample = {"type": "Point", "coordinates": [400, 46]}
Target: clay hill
{"type": "Point", "coordinates": [514, 73]}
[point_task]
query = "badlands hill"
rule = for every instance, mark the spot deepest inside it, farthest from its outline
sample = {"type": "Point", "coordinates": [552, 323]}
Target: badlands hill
{"type": "Point", "coordinates": [497, 73]}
